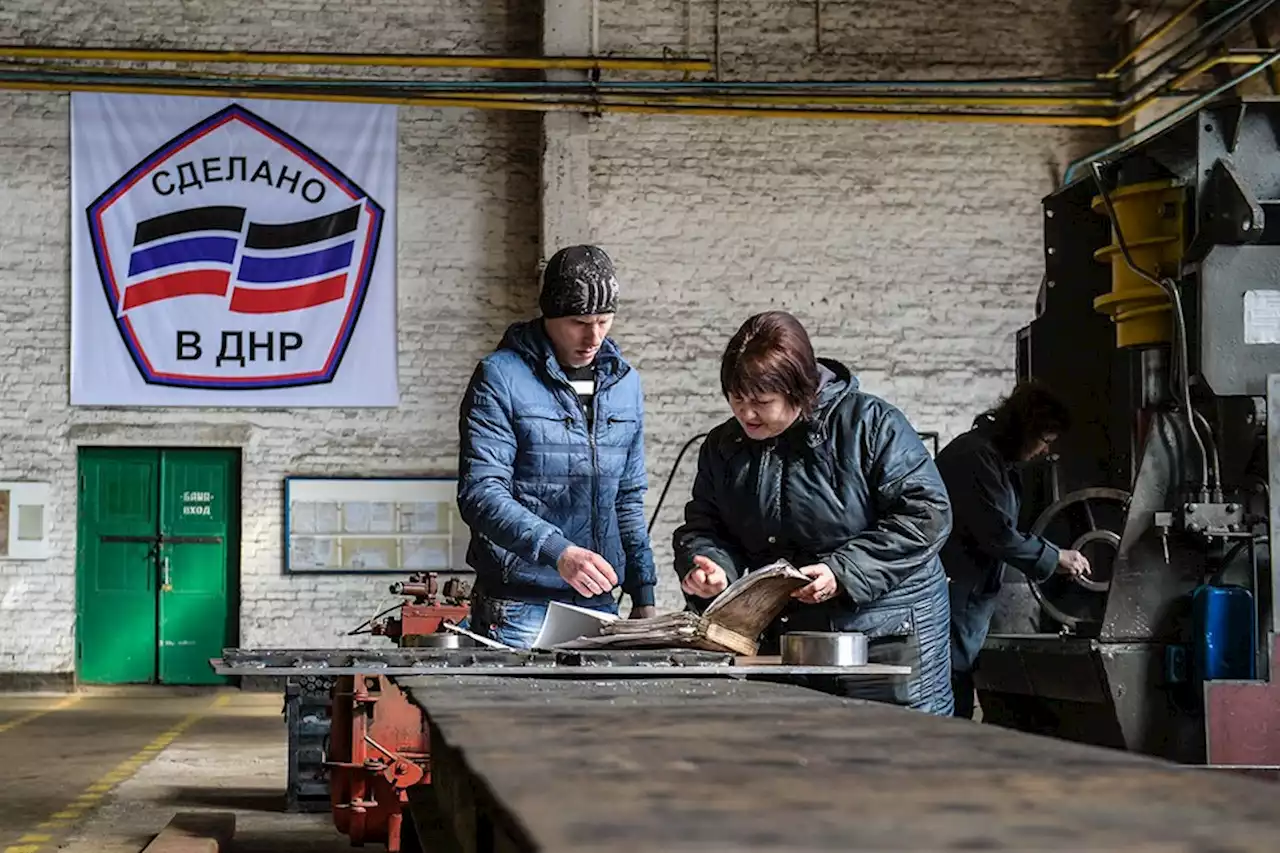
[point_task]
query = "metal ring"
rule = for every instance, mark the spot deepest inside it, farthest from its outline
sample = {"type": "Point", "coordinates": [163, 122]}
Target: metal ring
{"type": "Point", "coordinates": [1042, 523]}
{"type": "Point", "coordinates": [1111, 538]}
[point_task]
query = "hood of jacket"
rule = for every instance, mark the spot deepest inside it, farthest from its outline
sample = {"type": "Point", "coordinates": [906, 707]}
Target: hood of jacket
{"type": "Point", "coordinates": [836, 384]}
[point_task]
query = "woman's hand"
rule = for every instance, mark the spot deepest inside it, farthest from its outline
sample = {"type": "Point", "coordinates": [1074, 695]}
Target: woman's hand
{"type": "Point", "coordinates": [1073, 564]}
{"type": "Point", "coordinates": [823, 586]}
{"type": "Point", "coordinates": [707, 580]}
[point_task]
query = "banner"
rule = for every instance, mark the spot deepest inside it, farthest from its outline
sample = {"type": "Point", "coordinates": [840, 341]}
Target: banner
{"type": "Point", "coordinates": [232, 254]}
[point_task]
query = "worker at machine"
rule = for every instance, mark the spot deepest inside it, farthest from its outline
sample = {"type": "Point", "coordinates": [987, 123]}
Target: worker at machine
{"type": "Point", "coordinates": [980, 469]}
{"type": "Point", "coordinates": [551, 471]}
{"type": "Point", "coordinates": [812, 470]}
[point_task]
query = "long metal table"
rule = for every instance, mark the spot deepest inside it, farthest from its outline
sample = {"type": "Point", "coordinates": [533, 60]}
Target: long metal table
{"type": "Point", "coordinates": [688, 764]}
{"type": "Point", "coordinates": [526, 664]}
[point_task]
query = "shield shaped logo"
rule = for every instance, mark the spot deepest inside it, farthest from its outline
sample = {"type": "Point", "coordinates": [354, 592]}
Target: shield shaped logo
{"type": "Point", "coordinates": [235, 256]}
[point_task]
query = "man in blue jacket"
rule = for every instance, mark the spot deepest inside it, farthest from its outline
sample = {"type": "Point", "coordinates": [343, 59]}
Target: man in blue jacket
{"type": "Point", "coordinates": [980, 470]}
{"type": "Point", "coordinates": [551, 471]}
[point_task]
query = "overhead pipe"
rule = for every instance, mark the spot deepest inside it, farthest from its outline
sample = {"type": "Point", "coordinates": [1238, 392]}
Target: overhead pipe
{"type": "Point", "coordinates": [1213, 62]}
{"type": "Point", "coordinates": [588, 63]}
{"type": "Point", "coordinates": [1004, 84]}
{"type": "Point", "coordinates": [1202, 38]}
{"type": "Point", "coordinates": [249, 57]}
{"type": "Point", "coordinates": [729, 99]}
{"type": "Point", "coordinates": [607, 96]}
{"type": "Point", "coordinates": [1194, 37]}
{"type": "Point", "coordinates": [581, 63]}
{"type": "Point", "coordinates": [1001, 83]}
{"type": "Point", "coordinates": [598, 95]}
{"type": "Point", "coordinates": [1217, 30]}
{"type": "Point", "coordinates": [1151, 37]}
{"type": "Point", "coordinates": [1159, 125]}
{"type": "Point", "coordinates": [519, 101]}
{"type": "Point", "coordinates": [532, 105]}
{"type": "Point", "coordinates": [585, 92]}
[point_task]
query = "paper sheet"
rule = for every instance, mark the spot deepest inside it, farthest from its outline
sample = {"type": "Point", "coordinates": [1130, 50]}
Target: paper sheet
{"type": "Point", "coordinates": [566, 622]}
{"type": "Point", "coordinates": [356, 516]}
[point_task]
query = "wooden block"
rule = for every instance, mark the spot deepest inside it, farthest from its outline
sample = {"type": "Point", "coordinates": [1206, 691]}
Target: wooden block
{"type": "Point", "coordinates": [758, 660]}
{"type": "Point", "coordinates": [195, 832]}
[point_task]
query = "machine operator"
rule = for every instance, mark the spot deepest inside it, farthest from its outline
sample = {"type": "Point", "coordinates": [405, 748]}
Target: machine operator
{"type": "Point", "coordinates": [551, 473]}
{"type": "Point", "coordinates": [980, 469]}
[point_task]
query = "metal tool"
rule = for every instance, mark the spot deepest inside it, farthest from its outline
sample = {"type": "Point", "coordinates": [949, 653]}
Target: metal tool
{"type": "Point", "coordinates": [823, 648]}
{"type": "Point", "coordinates": [442, 640]}
{"type": "Point", "coordinates": [476, 639]}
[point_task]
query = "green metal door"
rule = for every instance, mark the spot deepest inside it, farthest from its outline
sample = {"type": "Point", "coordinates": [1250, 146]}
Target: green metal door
{"type": "Point", "coordinates": [197, 489]}
{"type": "Point", "coordinates": [116, 580]}
{"type": "Point", "coordinates": [157, 564]}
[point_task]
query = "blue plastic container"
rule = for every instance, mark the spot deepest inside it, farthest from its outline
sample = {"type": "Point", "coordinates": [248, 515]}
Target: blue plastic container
{"type": "Point", "coordinates": [1223, 643]}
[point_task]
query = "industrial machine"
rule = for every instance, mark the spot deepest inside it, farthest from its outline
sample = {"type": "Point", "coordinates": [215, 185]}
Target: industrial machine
{"type": "Point", "coordinates": [316, 783]}
{"type": "Point", "coordinates": [421, 620]}
{"type": "Point", "coordinates": [1158, 321]}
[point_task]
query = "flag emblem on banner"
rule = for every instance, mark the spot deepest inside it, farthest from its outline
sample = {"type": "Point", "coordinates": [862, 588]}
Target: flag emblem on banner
{"type": "Point", "coordinates": [278, 267]}
{"type": "Point", "coordinates": [235, 256]}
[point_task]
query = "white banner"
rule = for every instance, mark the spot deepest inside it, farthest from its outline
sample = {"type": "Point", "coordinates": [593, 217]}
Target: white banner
{"type": "Point", "coordinates": [232, 254]}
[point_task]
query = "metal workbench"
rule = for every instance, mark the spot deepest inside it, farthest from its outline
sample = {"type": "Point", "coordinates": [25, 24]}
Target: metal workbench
{"type": "Point", "coordinates": [667, 764]}
{"type": "Point", "coordinates": [526, 664]}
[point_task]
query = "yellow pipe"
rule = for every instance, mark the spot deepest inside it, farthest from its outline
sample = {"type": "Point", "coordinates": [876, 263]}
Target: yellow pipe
{"type": "Point", "coordinates": [1213, 62]}
{"type": "Point", "coordinates": [578, 63]}
{"type": "Point", "coordinates": [853, 100]}
{"type": "Point", "coordinates": [742, 105]}
{"type": "Point", "coordinates": [673, 105]}
{"type": "Point", "coordinates": [833, 100]}
{"type": "Point", "coordinates": [1145, 41]}
{"type": "Point", "coordinates": [507, 99]}
{"type": "Point", "coordinates": [773, 112]}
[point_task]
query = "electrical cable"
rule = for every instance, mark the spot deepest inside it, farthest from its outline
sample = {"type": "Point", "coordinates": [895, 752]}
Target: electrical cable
{"type": "Point", "coordinates": [674, 467]}
{"type": "Point", "coordinates": [356, 630]}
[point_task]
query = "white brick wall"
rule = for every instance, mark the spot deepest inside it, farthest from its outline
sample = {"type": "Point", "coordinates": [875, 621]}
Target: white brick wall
{"type": "Point", "coordinates": [912, 251]}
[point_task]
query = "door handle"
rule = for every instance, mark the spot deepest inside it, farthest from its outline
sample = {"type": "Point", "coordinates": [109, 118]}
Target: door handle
{"type": "Point", "coordinates": [166, 580]}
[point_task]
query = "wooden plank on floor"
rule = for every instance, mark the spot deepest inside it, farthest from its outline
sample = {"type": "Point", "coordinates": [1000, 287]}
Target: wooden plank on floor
{"type": "Point", "coordinates": [195, 832]}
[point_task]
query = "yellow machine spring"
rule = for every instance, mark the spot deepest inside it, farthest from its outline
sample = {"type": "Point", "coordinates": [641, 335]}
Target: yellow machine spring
{"type": "Point", "coordinates": [1150, 217]}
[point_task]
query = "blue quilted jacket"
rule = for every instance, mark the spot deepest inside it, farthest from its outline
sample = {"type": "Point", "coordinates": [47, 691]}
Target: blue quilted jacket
{"type": "Point", "coordinates": [532, 480]}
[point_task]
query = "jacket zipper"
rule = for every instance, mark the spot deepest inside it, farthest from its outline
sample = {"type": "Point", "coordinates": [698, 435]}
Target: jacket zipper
{"type": "Point", "coordinates": [595, 464]}
{"type": "Point", "coordinates": [590, 424]}
{"type": "Point", "coordinates": [764, 476]}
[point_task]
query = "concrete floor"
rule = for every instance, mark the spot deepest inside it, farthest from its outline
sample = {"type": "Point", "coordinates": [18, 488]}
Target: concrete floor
{"type": "Point", "coordinates": [105, 770]}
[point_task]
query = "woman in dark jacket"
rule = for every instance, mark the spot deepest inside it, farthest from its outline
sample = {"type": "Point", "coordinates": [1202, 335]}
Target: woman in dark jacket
{"type": "Point", "coordinates": [812, 470]}
{"type": "Point", "coordinates": [980, 469]}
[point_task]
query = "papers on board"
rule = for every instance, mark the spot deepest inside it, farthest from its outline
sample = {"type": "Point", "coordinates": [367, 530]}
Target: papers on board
{"type": "Point", "coordinates": [567, 622]}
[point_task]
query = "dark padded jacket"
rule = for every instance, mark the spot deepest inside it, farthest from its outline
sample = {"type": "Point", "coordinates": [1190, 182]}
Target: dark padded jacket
{"type": "Point", "coordinates": [986, 498]}
{"type": "Point", "coordinates": [851, 486]}
{"type": "Point", "coordinates": [532, 480]}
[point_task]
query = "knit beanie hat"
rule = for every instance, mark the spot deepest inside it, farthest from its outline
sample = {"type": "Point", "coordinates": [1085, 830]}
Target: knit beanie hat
{"type": "Point", "coordinates": [578, 280]}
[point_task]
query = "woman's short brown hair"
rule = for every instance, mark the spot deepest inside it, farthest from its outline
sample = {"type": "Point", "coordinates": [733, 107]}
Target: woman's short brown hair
{"type": "Point", "coordinates": [771, 354]}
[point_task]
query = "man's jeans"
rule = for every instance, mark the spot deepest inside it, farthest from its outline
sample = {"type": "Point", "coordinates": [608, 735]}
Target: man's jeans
{"type": "Point", "coordinates": [512, 623]}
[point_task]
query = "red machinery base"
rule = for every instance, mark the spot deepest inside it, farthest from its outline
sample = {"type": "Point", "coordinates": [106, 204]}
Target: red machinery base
{"type": "Point", "coordinates": [1241, 719]}
{"type": "Point", "coordinates": [378, 750]}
